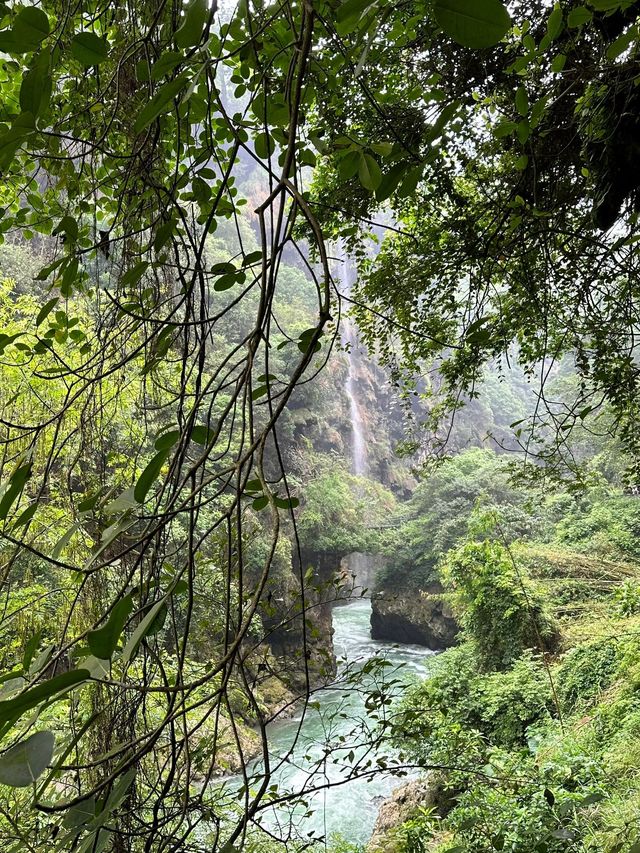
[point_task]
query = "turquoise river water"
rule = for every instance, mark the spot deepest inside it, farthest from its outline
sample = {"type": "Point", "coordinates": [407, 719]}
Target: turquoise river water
{"type": "Point", "coordinates": [349, 808]}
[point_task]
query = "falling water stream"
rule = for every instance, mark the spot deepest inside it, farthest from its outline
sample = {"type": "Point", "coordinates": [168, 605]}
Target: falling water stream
{"type": "Point", "coordinates": [359, 461]}
{"type": "Point", "coordinates": [360, 565]}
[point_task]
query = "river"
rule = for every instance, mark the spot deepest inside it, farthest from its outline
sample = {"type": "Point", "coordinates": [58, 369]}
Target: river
{"type": "Point", "coordinates": [350, 809]}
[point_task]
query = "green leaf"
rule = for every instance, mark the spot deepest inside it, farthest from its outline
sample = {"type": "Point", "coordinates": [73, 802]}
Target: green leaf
{"type": "Point", "coordinates": [25, 517]}
{"type": "Point", "coordinates": [164, 234]}
{"type": "Point", "coordinates": [522, 101]}
{"type": "Point", "coordinates": [590, 799]}
{"type": "Point", "coordinates": [390, 180]}
{"type": "Point", "coordinates": [67, 226]}
{"type": "Point", "coordinates": [14, 488]}
{"type": "Point", "coordinates": [88, 503]}
{"type": "Point", "coordinates": [167, 439]}
{"type": "Point", "coordinates": [122, 503]}
{"type": "Point", "coordinates": [104, 641]}
{"type": "Point", "coordinates": [5, 340]}
{"type": "Point", "coordinates": [621, 44]}
{"type": "Point", "coordinates": [161, 102]}
{"type": "Point", "coordinates": [305, 345]}
{"type": "Point", "coordinates": [89, 49]}
{"type": "Point", "coordinates": [223, 267]}
{"type": "Point", "coordinates": [150, 474]}
{"type": "Point", "coordinates": [264, 145]}
{"type": "Point", "coordinates": [349, 165]}
{"type": "Point", "coordinates": [369, 173]}
{"type": "Point", "coordinates": [225, 282]}
{"type": "Point", "coordinates": [195, 19]}
{"type": "Point", "coordinates": [144, 628]}
{"type": "Point", "coordinates": [286, 503]}
{"type": "Point", "coordinates": [110, 534]}
{"type": "Point", "coordinates": [21, 765]}
{"type": "Point", "coordinates": [523, 131]}
{"type": "Point", "coordinates": [201, 434]}
{"type": "Point", "coordinates": [251, 258]}
{"type": "Point", "coordinates": [45, 272]}
{"type": "Point", "coordinates": [410, 182]}
{"type": "Point", "coordinates": [165, 64]}
{"type": "Point", "coordinates": [260, 503]}
{"type": "Point", "coordinates": [134, 275]}
{"type": "Point", "coordinates": [11, 709]}
{"type": "Point", "coordinates": [30, 27]}
{"type": "Point", "coordinates": [80, 814]}
{"type": "Point", "coordinates": [579, 16]}
{"type": "Point", "coordinates": [21, 127]}
{"type": "Point", "coordinates": [351, 13]}
{"type": "Point", "coordinates": [558, 62]}
{"type": "Point", "coordinates": [30, 649]}
{"type": "Point", "coordinates": [554, 24]}
{"type": "Point", "coordinates": [69, 277]}
{"type": "Point", "coordinates": [352, 9]}
{"type": "Point", "coordinates": [258, 392]}
{"type": "Point", "coordinates": [35, 90]}
{"type": "Point", "coordinates": [473, 23]}
{"type": "Point", "coordinates": [64, 540]}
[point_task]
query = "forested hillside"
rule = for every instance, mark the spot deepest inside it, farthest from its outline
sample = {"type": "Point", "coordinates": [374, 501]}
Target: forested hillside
{"type": "Point", "coordinates": [319, 435]}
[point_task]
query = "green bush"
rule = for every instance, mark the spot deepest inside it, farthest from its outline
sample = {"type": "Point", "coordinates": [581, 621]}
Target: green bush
{"type": "Point", "coordinates": [627, 598]}
{"type": "Point", "coordinates": [500, 609]}
{"type": "Point", "coordinates": [585, 672]}
{"type": "Point", "coordinates": [437, 516]}
{"type": "Point", "coordinates": [608, 525]}
{"type": "Point", "coordinates": [459, 712]}
{"type": "Point", "coordinates": [523, 808]}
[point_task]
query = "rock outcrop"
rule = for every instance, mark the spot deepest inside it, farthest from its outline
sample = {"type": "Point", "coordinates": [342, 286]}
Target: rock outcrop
{"type": "Point", "coordinates": [413, 616]}
{"type": "Point", "coordinates": [301, 642]}
{"type": "Point", "coordinates": [428, 793]}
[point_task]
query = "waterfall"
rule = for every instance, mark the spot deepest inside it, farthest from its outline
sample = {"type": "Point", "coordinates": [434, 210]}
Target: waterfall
{"type": "Point", "coordinates": [359, 461]}
{"type": "Point", "coordinates": [360, 565]}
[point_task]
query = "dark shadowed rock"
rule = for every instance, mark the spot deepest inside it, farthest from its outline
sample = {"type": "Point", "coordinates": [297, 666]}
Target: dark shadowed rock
{"type": "Point", "coordinates": [413, 616]}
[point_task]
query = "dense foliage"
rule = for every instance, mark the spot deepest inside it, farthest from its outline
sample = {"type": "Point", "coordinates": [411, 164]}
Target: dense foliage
{"type": "Point", "coordinates": [175, 497]}
{"type": "Point", "coordinates": [505, 170]}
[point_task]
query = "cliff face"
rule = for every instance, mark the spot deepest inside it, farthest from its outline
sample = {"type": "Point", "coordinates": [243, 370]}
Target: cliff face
{"type": "Point", "coordinates": [303, 642]}
{"type": "Point", "coordinates": [413, 616]}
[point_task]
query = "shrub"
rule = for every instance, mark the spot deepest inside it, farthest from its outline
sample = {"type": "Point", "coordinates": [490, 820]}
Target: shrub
{"type": "Point", "coordinates": [500, 610]}
{"type": "Point", "coordinates": [540, 815]}
{"type": "Point", "coordinates": [586, 671]}
{"type": "Point", "coordinates": [459, 712]}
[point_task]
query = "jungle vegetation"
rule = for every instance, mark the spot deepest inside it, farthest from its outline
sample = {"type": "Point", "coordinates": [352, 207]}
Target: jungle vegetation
{"type": "Point", "coordinates": [179, 182]}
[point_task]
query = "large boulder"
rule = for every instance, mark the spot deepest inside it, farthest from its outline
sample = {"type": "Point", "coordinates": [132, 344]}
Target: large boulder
{"type": "Point", "coordinates": [414, 616]}
{"type": "Point", "coordinates": [427, 792]}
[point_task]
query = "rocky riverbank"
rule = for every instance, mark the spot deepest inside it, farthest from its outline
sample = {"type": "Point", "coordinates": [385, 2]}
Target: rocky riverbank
{"type": "Point", "coordinates": [424, 793]}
